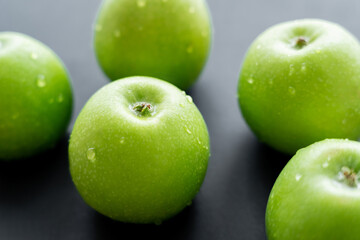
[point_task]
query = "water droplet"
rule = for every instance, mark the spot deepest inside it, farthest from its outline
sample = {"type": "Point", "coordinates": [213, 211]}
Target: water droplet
{"type": "Point", "coordinates": [204, 33]}
{"type": "Point", "coordinates": [291, 69]}
{"type": "Point", "coordinates": [344, 121]}
{"type": "Point", "coordinates": [250, 81]}
{"type": "Point", "coordinates": [122, 140]}
{"type": "Point", "coordinates": [182, 105]}
{"type": "Point", "coordinates": [206, 147]}
{"type": "Point", "coordinates": [271, 81]}
{"type": "Point", "coordinates": [325, 164]}
{"type": "Point", "coordinates": [189, 99]}
{"type": "Point", "coordinates": [303, 67]}
{"type": "Point", "coordinates": [188, 131]}
{"type": "Point", "coordinates": [91, 155]}
{"type": "Point", "coordinates": [198, 141]}
{"type": "Point", "coordinates": [329, 158]}
{"type": "Point", "coordinates": [191, 10]}
{"type": "Point", "coordinates": [318, 51]}
{"type": "Point", "coordinates": [183, 93]}
{"type": "Point", "coordinates": [298, 177]}
{"type": "Point", "coordinates": [15, 116]}
{"type": "Point", "coordinates": [34, 56]}
{"type": "Point", "coordinates": [292, 90]}
{"type": "Point", "coordinates": [141, 3]}
{"type": "Point", "coordinates": [98, 27]}
{"type": "Point", "coordinates": [60, 98]}
{"type": "Point", "coordinates": [256, 64]}
{"type": "Point", "coordinates": [258, 46]}
{"type": "Point", "coordinates": [51, 100]}
{"type": "Point", "coordinates": [40, 81]}
{"type": "Point", "coordinates": [117, 33]}
{"type": "Point", "coordinates": [190, 49]}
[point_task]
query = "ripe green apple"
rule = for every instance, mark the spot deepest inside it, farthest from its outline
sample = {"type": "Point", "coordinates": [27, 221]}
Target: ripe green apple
{"type": "Point", "coordinates": [300, 83]}
{"type": "Point", "coordinates": [139, 150]}
{"type": "Point", "coordinates": [35, 96]}
{"type": "Point", "coordinates": [317, 195]}
{"type": "Point", "coordinates": [166, 39]}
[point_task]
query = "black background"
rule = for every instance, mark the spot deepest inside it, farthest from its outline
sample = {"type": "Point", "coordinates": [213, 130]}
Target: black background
{"type": "Point", "coordinates": [37, 198]}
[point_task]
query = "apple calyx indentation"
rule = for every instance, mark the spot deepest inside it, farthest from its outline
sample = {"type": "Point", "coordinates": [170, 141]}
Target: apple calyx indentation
{"type": "Point", "coordinates": [300, 42]}
{"type": "Point", "coordinates": [349, 177]}
{"type": "Point", "coordinates": [143, 109]}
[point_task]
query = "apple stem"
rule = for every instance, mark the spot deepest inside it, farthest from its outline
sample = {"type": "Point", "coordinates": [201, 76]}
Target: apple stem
{"type": "Point", "coordinates": [143, 109]}
{"type": "Point", "coordinates": [300, 42]}
{"type": "Point", "coordinates": [350, 176]}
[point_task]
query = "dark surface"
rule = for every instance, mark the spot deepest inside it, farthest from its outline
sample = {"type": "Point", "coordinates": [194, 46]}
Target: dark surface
{"type": "Point", "coordinates": [37, 198]}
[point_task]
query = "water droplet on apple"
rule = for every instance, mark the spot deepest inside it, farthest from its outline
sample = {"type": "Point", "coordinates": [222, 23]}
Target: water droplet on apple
{"type": "Point", "coordinates": [250, 81]}
{"type": "Point", "coordinates": [182, 105]}
{"type": "Point", "coordinates": [206, 147]}
{"type": "Point", "coordinates": [60, 98]}
{"type": "Point", "coordinates": [117, 33]}
{"type": "Point", "coordinates": [198, 141]}
{"type": "Point", "coordinates": [204, 33]}
{"type": "Point", "coordinates": [141, 3]}
{"type": "Point", "coordinates": [91, 155]}
{"type": "Point", "coordinates": [34, 56]}
{"type": "Point", "coordinates": [271, 81]}
{"type": "Point", "coordinates": [158, 222]}
{"type": "Point", "coordinates": [188, 131]}
{"type": "Point", "coordinates": [40, 81]}
{"type": "Point", "coordinates": [329, 158]}
{"type": "Point", "coordinates": [98, 27]}
{"type": "Point", "coordinates": [51, 100]}
{"type": "Point", "coordinates": [191, 10]}
{"type": "Point", "coordinates": [303, 67]}
{"type": "Point", "coordinates": [292, 90]}
{"type": "Point", "coordinates": [183, 93]}
{"type": "Point", "coordinates": [122, 140]}
{"type": "Point", "coordinates": [15, 116]}
{"type": "Point", "coordinates": [344, 121]}
{"type": "Point", "coordinates": [318, 51]}
{"type": "Point", "coordinates": [189, 99]}
{"type": "Point", "coordinates": [325, 164]}
{"type": "Point", "coordinates": [190, 49]}
{"type": "Point", "coordinates": [258, 46]}
{"type": "Point", "coordinates": [291, 69]}
{"type": "Point", "coordinates": [298, 177]}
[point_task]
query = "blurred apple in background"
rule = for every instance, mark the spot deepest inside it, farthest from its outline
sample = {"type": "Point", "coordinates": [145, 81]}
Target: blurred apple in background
{"type": "Point", "coordinates": [300, 83]}
{"type": "Point", "coordinates": [35, 96]}
{"type": "Point", "coordinates": [166, 39]}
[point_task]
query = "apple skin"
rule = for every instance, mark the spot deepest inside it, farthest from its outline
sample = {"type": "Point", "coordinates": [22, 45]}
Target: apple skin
{"type": "Point", "coordinates": [309, 201]}
{"type": "Point", "coordinates": [293, 97]}
{"type": "Point", "coordinates": [139, 169]}
{"type": "Point", "coordinates": [35, 97]}
{"type": "Point", "coordinates": [166, 39]}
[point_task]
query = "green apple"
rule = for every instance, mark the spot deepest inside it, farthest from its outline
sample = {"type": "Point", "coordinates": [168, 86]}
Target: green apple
{"type": "Point", "coordinates": [35, 96]}
{"type": "Point", "coordinates": [300, 83]}
{"type": "Point", "coordinates": [166, 39]}
{"type": "Point", "coordinates": [317, 195]}
{"type": "Point", "coordinates": [139, 150]}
